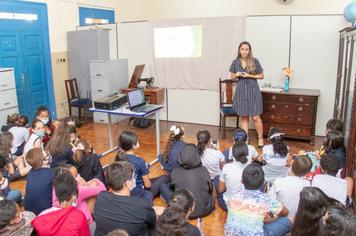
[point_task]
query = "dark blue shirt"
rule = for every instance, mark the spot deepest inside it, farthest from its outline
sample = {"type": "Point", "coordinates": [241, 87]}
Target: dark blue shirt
{"type": "Point", "coordinates": [38, 195]}
{"type": "Point", "coordinates": [172, 157]}
{"type": "Point", "coordinates": [141, 169]}
{"type": "Point", "coordinates": [66, 157]}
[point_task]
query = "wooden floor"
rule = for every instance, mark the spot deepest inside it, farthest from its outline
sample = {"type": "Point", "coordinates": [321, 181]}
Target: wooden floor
{"type": "Point", "coordinates": [97, 134]}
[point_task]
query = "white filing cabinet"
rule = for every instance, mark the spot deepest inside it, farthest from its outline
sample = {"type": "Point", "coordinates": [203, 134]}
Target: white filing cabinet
{"type": "Point", "coordinates": [8, 97]}
{"type": "Point", "coordinates": [107, 77]}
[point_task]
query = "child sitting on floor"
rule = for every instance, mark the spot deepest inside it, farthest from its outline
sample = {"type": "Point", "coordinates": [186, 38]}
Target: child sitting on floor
{"type": "Point", "coordinates": [275, 155]}
{"type": "Point", "coordinates": [249, 209]}
{"type": "Point", "coordinates": [5, 191]}
{"type": "Point", "coordinates": [13, 222]}
{"type": "Point", "coordinates": [145, 187]}
{"type": "Point", "coordinates": [173, 146]}
{"type": "Point", "coordinates": [240, 136]}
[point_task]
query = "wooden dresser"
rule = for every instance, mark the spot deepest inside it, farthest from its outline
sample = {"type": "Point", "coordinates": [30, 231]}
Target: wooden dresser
{"type": "Point", "coordinates": [293, 112]}
{"type": "Point", "coordinates": [154, 95]}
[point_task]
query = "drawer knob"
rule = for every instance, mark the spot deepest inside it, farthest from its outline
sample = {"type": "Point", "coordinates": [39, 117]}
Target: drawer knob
{"type": "Point", "coordinates": [274, 97]}
{"type": "Point", "coordinates": [299, 130]}
{"type": "Point", "coordinates": [285, 117]}
{"type": "Point", "coordinates": [300, 108]}
{"type": "Point", "coordinates": [272, 117]}
{"type": "Point", "coordinates": [299, 119]}
{"type": "Point", "coordinates": [286, 106]}
{"type": "Point", "coordinates": [301, 99]}
{"type": "Point", "coordinates": [273, 106]}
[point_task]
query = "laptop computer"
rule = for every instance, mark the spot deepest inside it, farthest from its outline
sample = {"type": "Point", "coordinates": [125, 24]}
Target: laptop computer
{"type": "Point", "coordinates": [137, 102]}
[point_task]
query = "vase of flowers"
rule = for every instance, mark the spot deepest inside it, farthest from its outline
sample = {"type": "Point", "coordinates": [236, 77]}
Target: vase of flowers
{"type": "Point", "coordinates": [287, 72]}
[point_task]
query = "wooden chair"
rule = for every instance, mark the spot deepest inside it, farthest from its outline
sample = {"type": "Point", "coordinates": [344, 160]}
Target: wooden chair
{"type": "Point", "coordinates": [74, 99]}
{"type": "Point", "coordinates": [226, 110]}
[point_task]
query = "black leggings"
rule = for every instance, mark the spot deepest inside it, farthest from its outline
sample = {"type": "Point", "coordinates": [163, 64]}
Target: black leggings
{"type": "Point", "coordinates": [156, 184]}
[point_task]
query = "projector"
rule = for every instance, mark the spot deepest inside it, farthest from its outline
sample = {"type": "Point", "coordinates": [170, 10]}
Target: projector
{"type": "Point", "coordinates": [110, 102]}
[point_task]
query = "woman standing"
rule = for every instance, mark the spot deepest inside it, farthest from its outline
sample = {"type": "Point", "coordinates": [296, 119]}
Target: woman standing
{"type": "Point", "coordinates": [248, 99]}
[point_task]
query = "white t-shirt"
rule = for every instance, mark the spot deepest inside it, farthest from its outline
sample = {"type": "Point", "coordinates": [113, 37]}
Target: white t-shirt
{"type": "Point", "coordinates": [332, 186]}
{"type": "Point", "coordinates": [211, 160]}
{"type": "Point", "coordinates": [231, 174]}
{"type": "Point", "coordinates": [252, 153]}
{"type": "Point", "coordinates": [287, 190]}
{"type": "Point", "coordinates": [273, 158]}
{"type": "Point", "coordinates": [31, 143]}
{"type": "Point", "coordinates": [21, 135]}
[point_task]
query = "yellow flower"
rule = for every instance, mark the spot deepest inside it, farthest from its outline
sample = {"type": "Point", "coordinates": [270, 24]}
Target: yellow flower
{"type": "Point", "coordinates": [287, 71]}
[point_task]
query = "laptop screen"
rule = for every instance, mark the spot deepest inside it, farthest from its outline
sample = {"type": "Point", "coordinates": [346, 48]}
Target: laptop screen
{"type": "Point", "coordinates": [136, 98]}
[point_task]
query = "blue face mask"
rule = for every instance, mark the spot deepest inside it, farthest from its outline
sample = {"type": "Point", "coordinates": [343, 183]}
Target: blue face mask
{"type": "Point", "coordinates": [39, 133]}
{"type": "Point", "coordinates": [44, 121]}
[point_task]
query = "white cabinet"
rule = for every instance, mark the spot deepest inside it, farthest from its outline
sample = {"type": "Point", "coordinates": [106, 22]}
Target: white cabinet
{"type": "Point", "coordinates": [8, 97]}
{"type": "Point", "coordinates": [107, 77]}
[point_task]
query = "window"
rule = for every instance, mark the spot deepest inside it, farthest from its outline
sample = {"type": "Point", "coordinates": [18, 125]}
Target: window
{"type": "Point", "coordinates": [91, 16]}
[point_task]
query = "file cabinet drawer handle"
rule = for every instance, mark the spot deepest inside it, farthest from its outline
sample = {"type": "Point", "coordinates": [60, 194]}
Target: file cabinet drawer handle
{"type": "Point", "coordinates": [99, 90]}
{"type": "Point", "coordinates": [98, 74]}
{"type": "Point", "coordinates": [6, 103]}
{"type": "Point", "coordinates": [4, 85]}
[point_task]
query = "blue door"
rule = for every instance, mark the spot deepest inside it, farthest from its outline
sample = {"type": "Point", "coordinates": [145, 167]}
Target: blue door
{"type": "Point", "coordinates": [24, 45]}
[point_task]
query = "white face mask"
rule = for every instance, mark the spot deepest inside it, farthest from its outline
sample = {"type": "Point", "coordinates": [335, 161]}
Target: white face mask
{"type": "Point", "coordinates": [74, 204]}
{"type": "Point", "coordinates": [45, 121]}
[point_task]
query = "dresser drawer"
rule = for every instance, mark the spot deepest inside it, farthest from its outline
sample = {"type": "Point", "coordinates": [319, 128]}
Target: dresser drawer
{"type": "Point", "coordinates": [7, 80]}
{"type": "Point", "coordinates": [287, 108]}
{"type": "Point", "coordinates": [289, 130]}
{"type": "Point", "coordinates": [8, 99]}
{"type": "Point", "coordinates": [156, 97]}
{"type": "Point", "coordinates": [288, 98]}
{"type": "Point", "coordinates": [286, 118]}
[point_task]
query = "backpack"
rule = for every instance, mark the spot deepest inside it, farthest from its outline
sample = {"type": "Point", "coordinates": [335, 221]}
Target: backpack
{"type": "Point", "coordinates": [141, 123]}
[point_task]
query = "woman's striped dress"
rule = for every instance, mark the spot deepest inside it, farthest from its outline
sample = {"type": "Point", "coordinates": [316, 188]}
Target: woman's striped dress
{"type": "Point", "coordinates": [247, 98]}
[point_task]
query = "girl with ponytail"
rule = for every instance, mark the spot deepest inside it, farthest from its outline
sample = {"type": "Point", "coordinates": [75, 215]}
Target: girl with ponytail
{"type": "Point", "coordinates": [174, 220]}
{"type": "Point", "coordinates": [211, 157]}
{"type": "Point", "coordinates": [275, 155]}
{"type": "Point", "coordinates": [173, 146]}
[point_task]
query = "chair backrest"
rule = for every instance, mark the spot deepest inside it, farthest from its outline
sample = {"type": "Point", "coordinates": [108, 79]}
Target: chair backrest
{"type": "Point", "coordinates": [226, 91]}
{"type": "Point", "coordinates": [72, 89]}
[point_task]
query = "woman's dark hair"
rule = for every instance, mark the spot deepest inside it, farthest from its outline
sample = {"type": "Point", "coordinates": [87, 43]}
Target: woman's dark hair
{"type": "Point", "coordinates": [23, 121]}
{"type": "Point", "coordinates": [59, 141]}
{"type": "Point", "coordinates": [6, 139]}
{"type": "Point", "coordinates": [240, 136]}
{"type": "Point", "coordinates": [174, 219]}
{"type": "Point", "coordinates": [8, 209]}
{"type": "Point", "coordinates": [302, 165]}
{"type": "Point", "coordinates": [203, 138]}
{"type": "Point", "coordinates": [64, 185]}
{"type": "Point", "coordinates": [240, 152]}
{"type": "Point", "coordinates": [172, 139]}
{"type": "Point", "coordinates": [279, 146]}
{"type": "Point", "coordinates": [312, 207]}
{"type": "Point", "coordinates": [334, 140]}
{"type": "Point", "coordinates": [118, 173]}
{"type": "Point", "coordinates": [253, 176]}
{"type": "Point", "coordinates": [127, 140]}
{"type": "Point", "coordinates": [339, 221]}
{"type": "Point", "coordinates": [12, 119]}
{"type": "Point", "coordinates": [41, 109]}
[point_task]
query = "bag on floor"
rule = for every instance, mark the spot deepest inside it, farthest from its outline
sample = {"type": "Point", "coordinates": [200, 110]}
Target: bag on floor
{"type": "Point", "coordinates": [142, 123]}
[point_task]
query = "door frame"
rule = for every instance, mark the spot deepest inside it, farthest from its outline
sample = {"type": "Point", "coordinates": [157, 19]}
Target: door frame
{"type": "Point", "coordinates": [41, 10]}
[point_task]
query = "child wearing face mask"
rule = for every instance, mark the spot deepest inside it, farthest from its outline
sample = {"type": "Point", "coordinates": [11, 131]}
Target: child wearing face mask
{"type": "Point", "coordinates": [86, 190]}
{"type": "Point", "coordinates": [38, 196]}
{"type": "Point", "coordinates": [36, 137]}
{"type": "Point", "coordinates": [64, 219]}
{"type": "Point", "coordinates": [42, 114]}
{"type": "Point", "coordinates": [12, 221]}
{"type": "Point", "coordinates": [144, 186]}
